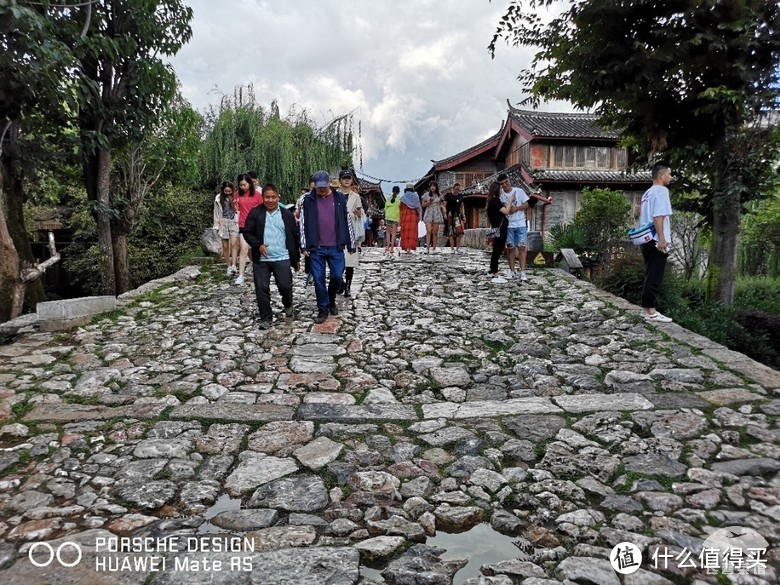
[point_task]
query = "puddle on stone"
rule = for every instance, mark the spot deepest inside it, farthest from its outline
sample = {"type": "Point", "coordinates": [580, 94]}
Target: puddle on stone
{"type": "Point", "coordinates": [223, 503]}
{"type": "Point", "coordinates": [481, 545]}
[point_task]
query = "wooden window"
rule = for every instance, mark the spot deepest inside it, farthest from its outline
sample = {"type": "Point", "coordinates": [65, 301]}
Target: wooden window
{"type": "Point", "coordinates": [469, 179]}
{"type": "Point", "coordinates": [581, 157]}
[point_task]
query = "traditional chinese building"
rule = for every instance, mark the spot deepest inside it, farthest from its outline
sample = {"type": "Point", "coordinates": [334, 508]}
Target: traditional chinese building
{"type": "Point", "coordinates": [553, 156]}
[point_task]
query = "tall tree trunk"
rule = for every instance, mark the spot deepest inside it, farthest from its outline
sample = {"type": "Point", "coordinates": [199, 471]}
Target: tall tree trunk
{"type": "Point", "coordinates": [13, 208]}
{"type": "Point", "coordinates": [10, 301]}
{"type": "Point", "coordinates": [726, 213]}
{"type": "Point", "coordinates": [97, 170]}
{"type": "Point", "coordinates": [121, 261]}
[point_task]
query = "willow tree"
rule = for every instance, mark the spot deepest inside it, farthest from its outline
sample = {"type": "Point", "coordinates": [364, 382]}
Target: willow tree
{"type": "Point", "coordinates": [243, 136]}
{"type": "Point", "coordinates": [684, 78]}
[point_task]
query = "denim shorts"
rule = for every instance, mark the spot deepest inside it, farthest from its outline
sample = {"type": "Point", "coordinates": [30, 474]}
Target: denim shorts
{"type": "Point", "coordinates": [517, 237]}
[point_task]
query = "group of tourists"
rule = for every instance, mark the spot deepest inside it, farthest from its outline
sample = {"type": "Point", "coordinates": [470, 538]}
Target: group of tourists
{"type": "Point", "coordinates": [327, 228]}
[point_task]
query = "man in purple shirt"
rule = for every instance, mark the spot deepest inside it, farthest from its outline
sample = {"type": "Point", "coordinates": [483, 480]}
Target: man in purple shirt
{"type": "Point", "coordinates": [325, 231]}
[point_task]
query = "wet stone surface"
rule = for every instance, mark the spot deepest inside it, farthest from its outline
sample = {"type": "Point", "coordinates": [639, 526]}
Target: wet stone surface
{"type": "Point", "coordinates": [435, 400]}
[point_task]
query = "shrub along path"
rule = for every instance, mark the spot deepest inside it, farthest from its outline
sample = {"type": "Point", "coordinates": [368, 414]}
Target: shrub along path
{"type": "Point", "coordinates": [435, 400]}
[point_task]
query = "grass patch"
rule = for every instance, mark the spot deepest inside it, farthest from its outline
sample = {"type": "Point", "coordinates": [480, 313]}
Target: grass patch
{"type": "Point", "coordinates": [21, 408]}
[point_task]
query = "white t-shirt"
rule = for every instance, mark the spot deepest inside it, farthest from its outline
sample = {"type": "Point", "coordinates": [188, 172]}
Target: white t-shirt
{"type": "Point", "coordinates": [656, 202]}
{"type": "Point", "coordinates": [517, 196]}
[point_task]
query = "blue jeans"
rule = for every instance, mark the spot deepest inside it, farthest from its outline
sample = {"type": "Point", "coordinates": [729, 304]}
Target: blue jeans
{"type": "Point", "coordinates": [334, 257]}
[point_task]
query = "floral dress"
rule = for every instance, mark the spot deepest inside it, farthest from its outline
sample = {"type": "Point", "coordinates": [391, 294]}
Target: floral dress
{"type": "Point", "coordinates": [433, 211]}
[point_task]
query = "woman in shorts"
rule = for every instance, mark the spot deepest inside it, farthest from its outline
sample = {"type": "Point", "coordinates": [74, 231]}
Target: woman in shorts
{"type": "Point", "coordinates": [226, 224]}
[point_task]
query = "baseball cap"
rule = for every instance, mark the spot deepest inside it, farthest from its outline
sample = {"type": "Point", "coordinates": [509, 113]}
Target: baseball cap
{"type": "Point", "coordinates": [321, 179]}
{"type": "Point", "coordinates": [409, 187]}
{"type": "Point", "coordinates": [345, 174]}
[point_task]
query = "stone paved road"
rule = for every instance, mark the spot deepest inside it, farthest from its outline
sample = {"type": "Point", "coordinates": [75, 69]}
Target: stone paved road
{"type": "Point", "coordinates": [434, 401]}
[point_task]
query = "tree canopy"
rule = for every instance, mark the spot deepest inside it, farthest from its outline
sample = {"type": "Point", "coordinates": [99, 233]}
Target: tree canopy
{"type": "Point", "coordinates": [685, 79]}
{"type": "Point", "coordinates": [243, 136]}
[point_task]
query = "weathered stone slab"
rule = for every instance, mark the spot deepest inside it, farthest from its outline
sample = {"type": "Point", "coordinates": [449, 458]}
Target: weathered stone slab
{"type": "Point", "coordinates": [729, 396]}
{"type": "Point", "coordinates": [738, 362]}
{"type": "Point", "coordinates": [63, 412]}
{"type": "Point", "coordinates": [65, 310]}
{"type": "Point", "coordinates": [602, 402]}
{"type": "Point", "coordinates": [312, 365]}
{"type": "Point", "coordinates": [293, 494]}
{"type": "Point", "coordinates": [482, 408]}
{"type": "Point", "coordinates": [357, 412]}
{"type": "Point", "coordinates": [255, 469]}
{"type": "Point", "coordinates": [653, 464]}
{"type": "Point", "coordinates": [318, 350]}
{"type": "Point", "coordinates": [299, 565]}
{"type": "Point", "coordinates": [318, 453]}
{"type": "Point", "coordinates": [233, 412]}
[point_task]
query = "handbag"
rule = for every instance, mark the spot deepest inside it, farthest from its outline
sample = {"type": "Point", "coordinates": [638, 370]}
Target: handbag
{"type": "Point", "coordinates": [458, 227]}
{"type": "Point", "coordinates": [421, 229]}
{"type": "Point", "coordinates": [642, 234]}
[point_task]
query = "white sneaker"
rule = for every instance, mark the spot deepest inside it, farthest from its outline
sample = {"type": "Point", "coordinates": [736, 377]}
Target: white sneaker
{"type": "Point", "coordinates": [498, 280]}
{"type": "Point", "coordinates": [655, 317]}
{"type": "Point", "coordinates": [240, 280]}
{"type": "Point", "coordinates": [509, 274]}
{"type": "Point", "coordinates": [523, 277]}
{"type": "Point", "coordinates": [231, 270]}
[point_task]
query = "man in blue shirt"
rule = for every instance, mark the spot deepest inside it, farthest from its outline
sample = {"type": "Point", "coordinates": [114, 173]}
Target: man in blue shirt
{"type": "Point", "coordinates": [326, 230]}
{"type": "Point", "coordinates": [272, 235]}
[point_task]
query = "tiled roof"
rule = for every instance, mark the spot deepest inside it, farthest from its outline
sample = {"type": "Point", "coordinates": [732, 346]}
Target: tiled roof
{"type": "Point", "coordinates": [469, 151]}
{"type": "Point", "coordinates": [560, 124]}
{"type": "Point", "coordinates": [591, 176]}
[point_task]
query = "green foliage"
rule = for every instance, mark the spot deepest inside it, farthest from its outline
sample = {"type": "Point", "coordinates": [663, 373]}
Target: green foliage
{"type": "Point", "coordinates": [604, 217]}
{"type": "Point", "coordinates": [624, 276]}
{"type": "Point", "coordinates": [243, 136]}
{"type": "Point", "coordinates": [646, 69]}
{"type": "Point", "coordinates": [759, 252]}
{"type": "Point", "coordinates": [685, 301]}
{"type": "Point", "coordinates": [567, 236]}
{"type": "Point", "coordinates": [169, 226]}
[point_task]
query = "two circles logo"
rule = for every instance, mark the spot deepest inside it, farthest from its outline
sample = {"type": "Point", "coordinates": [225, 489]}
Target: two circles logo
{"type": "Point", "coordinates": [71, 550]}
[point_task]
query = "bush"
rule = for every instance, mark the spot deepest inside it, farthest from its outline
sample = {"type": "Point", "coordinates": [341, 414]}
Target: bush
{"type": "Point", "coordinates": [603, 217]}
{"type": "Point", "coordinates": [753, 333]}
{"type": "Point", "coordinates": [169, 226]}
{"type": "Point", "coordinates": [624, 276]}
{"type": "Point", "coordinates": [567, 236]}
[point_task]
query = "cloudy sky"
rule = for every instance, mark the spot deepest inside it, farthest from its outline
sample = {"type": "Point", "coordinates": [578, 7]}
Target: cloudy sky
{"type": "Point", "coordinates": [416, 73]}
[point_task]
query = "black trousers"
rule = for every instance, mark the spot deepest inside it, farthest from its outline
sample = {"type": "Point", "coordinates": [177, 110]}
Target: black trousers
{"type": "Point", "coordinates": [261, 272]}
{"type": "Point", "coordinates": [498, 247]}
{"type": "Point", "coordinates": [655, 263]}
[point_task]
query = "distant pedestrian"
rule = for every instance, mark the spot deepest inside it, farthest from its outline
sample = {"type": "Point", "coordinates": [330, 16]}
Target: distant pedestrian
{"type": "Point", "coordinates": [517, 234]}
{"type": "Point", "coordinates": [326, 230]}
{"type": "Point", "coordinates": [411, 215]}
{"type": "Point", "coordinates": [273, 237]}
{"type": "Point", "coordinates": [432, 202]}
{"type": "Point", "coordinates": [248, 198]}
{"type": "Point", "coordinates": [499, 225]}
{"type": "Point", "coordinates": [392, 219]}
{"type": "Point", "coordinates": [656, 208]}
{"type": "Point", "coordinates": [225, 214]}
{"type": "Point", "coordinates": [456, 217]}
{"type": "Point", "coordinates": [357, 216]}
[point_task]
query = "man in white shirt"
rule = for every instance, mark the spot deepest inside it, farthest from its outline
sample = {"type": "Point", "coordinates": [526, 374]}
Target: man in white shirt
{"type": "Point", "coordinates": [656, 208]}
{"type": "Point", "coordinates": [517, 234]}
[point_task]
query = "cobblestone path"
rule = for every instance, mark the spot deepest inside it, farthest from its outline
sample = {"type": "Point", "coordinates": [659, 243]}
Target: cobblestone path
{"type": "Point", "coordinates": [175, 442]}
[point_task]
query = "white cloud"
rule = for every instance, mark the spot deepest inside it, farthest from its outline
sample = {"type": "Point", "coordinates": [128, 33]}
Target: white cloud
{"type": "Point", "coordinates": [416, 74]}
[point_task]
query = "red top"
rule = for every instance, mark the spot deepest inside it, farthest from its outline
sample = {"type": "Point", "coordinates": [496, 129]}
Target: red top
{"type": "Point", "coordinates": [245, 204]}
